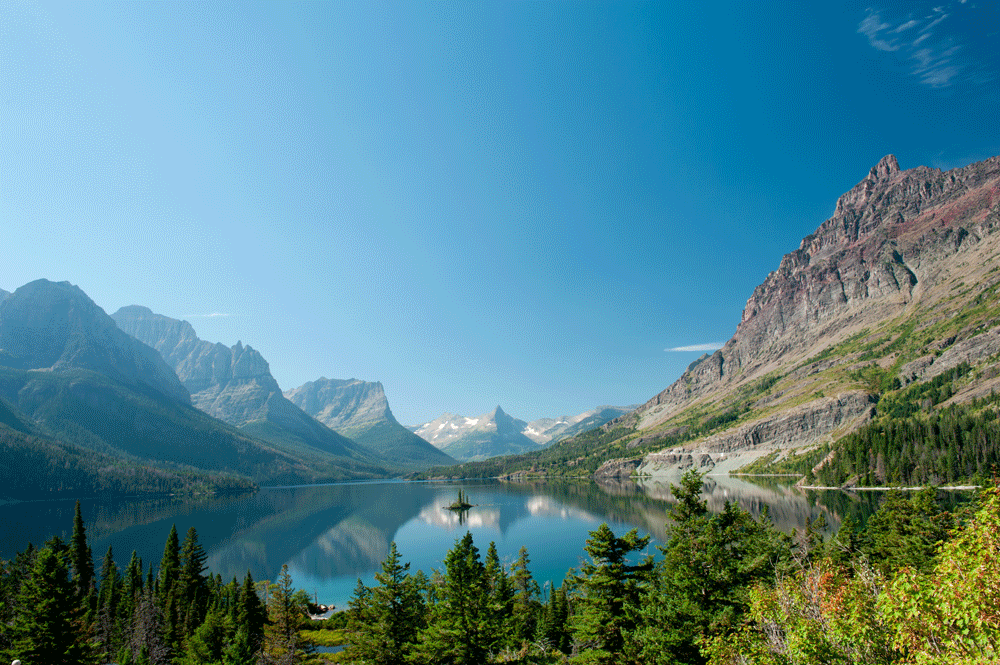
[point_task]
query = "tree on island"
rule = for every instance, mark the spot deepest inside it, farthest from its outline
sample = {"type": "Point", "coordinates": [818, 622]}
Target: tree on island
{"type": "Point", "coordinates": [462, 503]}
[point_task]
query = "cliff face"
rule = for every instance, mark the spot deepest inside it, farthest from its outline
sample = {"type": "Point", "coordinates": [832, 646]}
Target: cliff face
{"type": "Point", "coordinates": [359, 410]}
{"type": "Point", "coordinates": [891, 244]}
{"type": "Point", "coordinates": [913, 249]}
{"type": "Point", "coordinates": [233, 384]}
{"type": "Point", "coordinates": [343, 404]}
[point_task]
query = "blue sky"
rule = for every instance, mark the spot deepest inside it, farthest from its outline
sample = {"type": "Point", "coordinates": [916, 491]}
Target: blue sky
{"type": "Point", "coordinates": [525, 204]}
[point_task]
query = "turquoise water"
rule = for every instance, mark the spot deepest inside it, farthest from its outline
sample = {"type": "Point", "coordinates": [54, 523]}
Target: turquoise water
{"type": "Point", "coordinates": [332, 535]}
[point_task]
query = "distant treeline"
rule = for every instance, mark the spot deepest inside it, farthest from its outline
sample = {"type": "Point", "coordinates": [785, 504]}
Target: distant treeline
{"type": "Point", "coordinates": [35, 467]}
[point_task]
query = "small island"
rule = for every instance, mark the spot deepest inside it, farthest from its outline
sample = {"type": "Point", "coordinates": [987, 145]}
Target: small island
{"type": "Point", "coordinates": [461, 503]}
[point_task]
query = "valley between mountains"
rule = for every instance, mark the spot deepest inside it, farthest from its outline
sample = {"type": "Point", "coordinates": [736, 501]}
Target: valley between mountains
{"type": "Point", "coordinates": [868, 357]}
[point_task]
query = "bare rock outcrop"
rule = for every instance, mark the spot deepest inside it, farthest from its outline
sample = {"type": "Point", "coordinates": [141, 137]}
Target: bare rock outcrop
{"type": "Point", "coordinates": [808, 424]}
{"type": "Point", "coordinates": [618, 468]}
{"type": "Point", "coordinates": [881, 252]}
{"type": "Point", "coordinates": [233, 384]}
{"type": "Point", "coordinates": [971, 350]}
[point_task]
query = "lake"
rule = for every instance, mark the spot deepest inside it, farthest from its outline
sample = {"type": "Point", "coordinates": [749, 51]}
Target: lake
{"type": "Point", "coordinates": [331, 535]}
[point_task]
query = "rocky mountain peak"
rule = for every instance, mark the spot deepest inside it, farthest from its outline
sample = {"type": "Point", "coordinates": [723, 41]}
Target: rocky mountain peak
{"type": "Point", "coordinates": [359, 409]}
{"type": "Point", "coordinates": [343, 403]}
{"type": "Point", "coordinates": [882, 172]}
{"type": "Point", "coordinates": [249, 364]}
{"type": "Point", "coordinates": [877, 255]}
{"type": "Point", "coordinates": [230, 383]}
{"type": "Point", "coordinates": [886, 167]}
{"type": "Point", "coordinates": [50, 325]}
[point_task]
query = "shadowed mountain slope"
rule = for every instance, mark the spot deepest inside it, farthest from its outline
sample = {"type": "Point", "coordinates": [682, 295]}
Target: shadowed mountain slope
{"type": "Point", "coordinates": [234, 384]}
{"type": "Point", "coordinates": [71, 374]}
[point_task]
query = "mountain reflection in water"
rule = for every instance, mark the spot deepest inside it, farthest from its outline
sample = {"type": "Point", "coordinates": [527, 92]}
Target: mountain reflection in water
{"type": "Point", "coordinates": [331, 535]}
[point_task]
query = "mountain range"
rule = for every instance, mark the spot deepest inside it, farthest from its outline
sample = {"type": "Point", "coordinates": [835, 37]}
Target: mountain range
{"type": "Point", "coordinates": [887, 316]}
{"type": "Point", "coordinates": [235, 385]}
{"type": "Point", "coordinates": [496, 433]}
{"type": "Point", "coordinates": [87, 406]}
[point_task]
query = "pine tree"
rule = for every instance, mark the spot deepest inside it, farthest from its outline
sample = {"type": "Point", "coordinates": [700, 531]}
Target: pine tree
{"type": "Point", "coordinates": [251, 614]}
{"type": "Point", "coordinates": [240, 651]}
{"type": "Point", "coordinates": [192, 586]}
{"type": "Point", "coordinates": [81, 558]}
{"type": "Point", "coordinates": [610, 588]}
{"type": "Point", "coordinates": [499, 602]}
{"type": "Point", "coordinates": [554, 625]}
{"type": "Point", "coordinates": [208, 642]}
{"type": "Point", "coordinates": [526, 607]}
{"type": "Point", "coordinates": [107, 607]}
{"type": "Point", "coordinates": [456, 630]}
{"type": "Point", "coordinates": [284, 613]}
{"type": "Point", "coordinates": [385, 620]}
{"type": "Point", "coordinates": [132, 586]}
{"type": "Point", "coordinates": [906, 530]}
{"type": "Point", "coordinates": [165, 593]}
{"type": "Point", "coordinates": [48, 629]}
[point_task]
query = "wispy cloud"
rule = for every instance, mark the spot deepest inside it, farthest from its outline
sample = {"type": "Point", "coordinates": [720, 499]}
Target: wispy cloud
{"type": "Point", "coordinates": [213, 315]}
{"type": "Point", "coordinates": [927, 45]}
{"type": "Point", "coordinates": [906, 26]}
{"type": "Point", "coordinates": [711, 346]}
{"type": "Point", "coordinates": [872, 27]}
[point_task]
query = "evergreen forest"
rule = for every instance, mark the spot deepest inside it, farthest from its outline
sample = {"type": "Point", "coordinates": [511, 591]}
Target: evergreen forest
{"type": "Point", "coordinates": [918, 583]}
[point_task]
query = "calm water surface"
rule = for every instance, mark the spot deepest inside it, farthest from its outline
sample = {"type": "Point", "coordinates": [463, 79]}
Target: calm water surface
{"type": "Point", "coordinates": [332, 535]}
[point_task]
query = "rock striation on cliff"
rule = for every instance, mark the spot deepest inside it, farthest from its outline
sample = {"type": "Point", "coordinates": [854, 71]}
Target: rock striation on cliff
{"type": "Point", "coordinates": [910, 246]}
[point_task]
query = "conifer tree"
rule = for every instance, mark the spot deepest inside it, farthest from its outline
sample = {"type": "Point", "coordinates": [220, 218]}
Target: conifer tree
{"type": "Point", "coordinates": [81, 557]}
{"type": "Point", "coordinates": [165, 582]}
{"type": "Point", "coordinates": [499, 602]}
{"type": "Point", "coordinates": [385, 620]}
{"type": "Point", "coordinates": [553, 627]}
{"type": "Point", "coordinates": [240, 651]}
{"type": "Point", "coordinates": [192, 588]}
{"type": "Point", "coordinates": [284, 612]}
{"type": "Point", "coordinates": [526, 607]}
{"type": "Point", "coordinates": [609, 594]}
{"type": "Point", "coordinates": [456, 630]}
{"type": "Point", "coordinates": [47, 629]}
{"type": "Point", "coordinates": [107, 607]}
{"type": "Point", "coordinates": [131, 591]}
{"type": "Point", "coordinates": [906, 530]}
{"type": "Point", "coordinates": [207, 643]}
{"type": "Point", "coordinates": [251, 614]}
